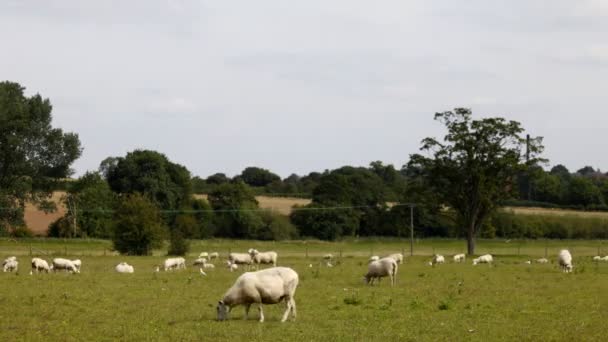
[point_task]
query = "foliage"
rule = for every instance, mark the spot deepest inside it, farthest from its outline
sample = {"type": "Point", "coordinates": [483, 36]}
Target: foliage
{"type": "Point", "coordinates": [473, 168]}
{"type": "Point", "coordinates": [315, 221]}
{"type": "Point", "coordinates": [137, 226]}
{"type": "Point", "coordinates": [236, 210]}
{"type": "Point", "coordinates": [178, 245]}
{"type": "Point", "coordinates": [256, 176]}
{"type": "Point", "coordinates": [34, 156]}
{"type": "Point", "coordinates": [511, 225]}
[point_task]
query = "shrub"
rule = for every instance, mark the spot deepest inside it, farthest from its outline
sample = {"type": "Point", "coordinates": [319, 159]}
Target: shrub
{"type": "Point", "coordinates": [138, 226]}
{"type": "Point", "coordinates": [178, 245]}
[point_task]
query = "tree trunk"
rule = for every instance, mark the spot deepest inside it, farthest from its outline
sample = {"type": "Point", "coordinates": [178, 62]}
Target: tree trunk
{"type": "Point", "coordinates": [471, 240]}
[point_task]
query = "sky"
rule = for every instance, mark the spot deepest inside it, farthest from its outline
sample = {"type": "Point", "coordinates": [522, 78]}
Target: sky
{"type": "Point", "coordinates": [301, 86]}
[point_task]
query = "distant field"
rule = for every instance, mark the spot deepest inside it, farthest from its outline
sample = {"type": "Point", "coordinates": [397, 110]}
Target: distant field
{"type": "Point", "coordinates": [510, 301]}
{"type": "Point", "coordinates": [560, 212]}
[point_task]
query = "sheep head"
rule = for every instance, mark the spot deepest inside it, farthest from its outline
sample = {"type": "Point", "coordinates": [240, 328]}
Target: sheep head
{"type": "Point", "coordinates": [222, 311]}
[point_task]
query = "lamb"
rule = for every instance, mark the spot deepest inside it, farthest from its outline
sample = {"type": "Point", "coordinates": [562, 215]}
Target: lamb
{"type": "Point", "coordinates": [381, 268]}
{"type": "Point", "coordinates": [542, 261]}
{"type": "Point", "coordinates": [10, 265]}
{"type": "Point", "coordinates": [9, 259]}
{"type": "Point", "coordinates": [77, 263]}
{"type": "Point", "coordinates": [565, 260]}
{"type": "Point", "coordinates": [484, 259]}
{"type": "Point", "coordinates": [174, 263]}
{"type": "Point", "coordinates": [460, 258]}
{"type": "Point", "coordinates": [263, 257]}
{"type": "Point", "coordinates": [232, 267]}
{"type": "Point", "coordinates": [397, 256]}
{"type": "Point", "coordinates": [240, 259]}
{"type": "Point", "coordinates": [373, 258]}
{"type": "Point", "coordinates": [40, 265]}
{"type": "Point", "coordinates": [123, 267]}
{"type": "Point", "coordinates": [64, 264]}
{"type": "Point", "coordinates": [268, 286]}
{"type": "Point", "coordinates": [437, 259]}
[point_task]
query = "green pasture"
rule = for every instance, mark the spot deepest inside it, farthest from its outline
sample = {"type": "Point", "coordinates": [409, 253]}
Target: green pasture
{"type": "Point", "coordinates": [509, 301]}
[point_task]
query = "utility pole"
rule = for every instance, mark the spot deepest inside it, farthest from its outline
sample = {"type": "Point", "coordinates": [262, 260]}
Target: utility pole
{"type": "Point", "coordinates": [528, 164]}
{"type": "Point", "coordinates": [411, 230]}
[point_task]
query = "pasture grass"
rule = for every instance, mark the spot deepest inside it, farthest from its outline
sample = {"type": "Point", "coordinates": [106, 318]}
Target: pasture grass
{"type": "Point", "coordinates": [508, 301]}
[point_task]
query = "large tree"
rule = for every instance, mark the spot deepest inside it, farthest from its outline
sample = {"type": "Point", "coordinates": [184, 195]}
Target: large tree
{"type": "Point", "coordinates": [34, 156]}
{"type": "Point", "coordinates": [474, 167]}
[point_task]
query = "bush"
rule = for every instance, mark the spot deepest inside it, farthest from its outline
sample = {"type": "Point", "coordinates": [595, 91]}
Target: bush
{"type": "Point", "coordinates": [275, 227]}
{"type": "Point", "coordinates": [178, 245]}
{"type": "Point", "coordinates": [138, 226]}
{"type": "Point", "coordinates": [511, 225]}
{"type": "Point", "coordinates": [21, 232]}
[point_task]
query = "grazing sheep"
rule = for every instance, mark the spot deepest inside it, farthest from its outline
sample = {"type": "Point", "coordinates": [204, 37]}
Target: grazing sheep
{"type": "Point", "coordinates": [40, 265]}
{"type": "Point", "coordinates": [10, 265]}
{"type": "Point", "coordinates": [214, 255]}
{"type": "Point", "coordinates": [528, 262]}
{"type": "Point", "coordinates": [268, 286]}
{"type": "Point", "coordinates": [232, 267]}
{"type": "Point", "coordinates": [565, 260]}
{"type": "Point", "coordinates": [203, 255]}
{"type": "Point", "coordinates": [77, 263]}
{"type": "Point", "coordinates": [240, 259]}
{"type": "Point", "coordinates": [437, 259]}
{"type": "Point", "coordinates": [64, 264]}
{"type": "Point", "coordinates": [373, 258]}
{"type": "Point", "coordinates": [484, 259]}
{"type": "Point", "coordinates": [123, 267]}
{"type": "Point", "coordinates": [460, 258]}
{"type": "Point", "coordinates": [263, 257]}
{"type": "Point", "coordinates": [604, 258]}
{"type": "Point", "coordinates": [542, 261]}
{"type": "Point", "coordinates": [328, 256]}
{"type": "Point", "coordinates": [174, 263]}
{"type": "Point", "coordinates": [199, 261]}
{"type": "Point", "coordinates": [381, 268]}
{"type": "Point", "coordinates": [597, 258]}
{"type": "Point", "coordinates": [208, 265]}
{"type": "Point", "coordinates": [398, 257]}
{"type": "Point", "coordinates": [7, 260]}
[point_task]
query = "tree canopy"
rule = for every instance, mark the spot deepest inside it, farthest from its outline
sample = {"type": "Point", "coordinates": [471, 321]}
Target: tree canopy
{"type": "Point", "coordinates": [474, 167]}
{"type": "Point", "coordinates": [34, 156]}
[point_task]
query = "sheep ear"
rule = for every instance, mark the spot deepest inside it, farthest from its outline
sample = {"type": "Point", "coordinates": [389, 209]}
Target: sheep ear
{"type": "Point", "coordinates": [221, 302]}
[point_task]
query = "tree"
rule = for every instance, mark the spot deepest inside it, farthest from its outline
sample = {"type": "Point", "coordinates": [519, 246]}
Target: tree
{"type": "Point", "coordinates": [151, 173]}
{"type": "Point", "coordinates": [256, 176]}
{"type": "Point", "coordinates": [474, 167]}
{"type": "Point", "coordinates": [138, 226]}
{"type": "Point", "coordinates": [217, 178]}
{"type": "Point", "coordinates": [34, 156]}
{"type": "Point", "coordinates": [236, 210]}
{"type": "Point", "coordinates": [89, 202]}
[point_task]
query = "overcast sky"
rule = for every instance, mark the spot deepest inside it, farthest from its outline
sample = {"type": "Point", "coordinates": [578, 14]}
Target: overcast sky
{"type": "Point", "coordinates": [297, 86]}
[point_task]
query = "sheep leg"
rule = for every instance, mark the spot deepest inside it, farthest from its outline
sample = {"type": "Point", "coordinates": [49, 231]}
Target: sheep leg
{"type": "Point", "coordinates": [286, 314]}
{"type": "Point", "coordinates": [293, 308]}
{"type": "Point", "coordinates": [247, 306]}
{"type": "Point", "coordinates": [261, 313]}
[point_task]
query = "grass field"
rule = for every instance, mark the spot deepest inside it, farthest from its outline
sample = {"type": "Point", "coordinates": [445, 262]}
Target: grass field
{"type": "Point", "coordinates": [452, 302]}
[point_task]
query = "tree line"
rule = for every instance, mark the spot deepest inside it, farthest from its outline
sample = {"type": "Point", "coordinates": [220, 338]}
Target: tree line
{"type": "Point", "coordinates": [457, 184]}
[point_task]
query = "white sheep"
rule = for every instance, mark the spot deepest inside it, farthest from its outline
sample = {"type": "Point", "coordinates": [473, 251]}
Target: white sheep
{"type": "Point", "coordinates": [203, 255]}
{"type": "Point", "coordinates": [214, 255]}
{"type": "Point", "coordinates": [240, 259]}
{"type": "Point", "coordinates": [484, 259]}
{"type": "Point", "coordinates": [10, 265]}
{"type": "Point", "coordinates": [528, 262]}
{"type": "Point", "coordinates": [460, 258]}
{"type": "Point", "coordinates": [232, 267]}
{"type": "Point", "coordinates": [604, 258]}
{"type": "Point", "coordinates": [40, 265]}
{"type": "Point", "coordinates": [381, 268]}
{"type": "Point", "coordinates": [328, 256]}
{"type": "Point", "coordinates": [174, 263]}
{"type": "Point", "coordinates": [565, 260]}
{"type": "Point", "coordinates": [398, 257]}
{"type": "Point", "coordinates": [437, 259]}
{"type": "Point", "coordinates": [208, 265]}
{"type": "Point", "coordinates": [373, 258]}
{"type": "Point", "coordinates": [123, 267]}
{"type": "Point", "coordinates": [542, 261]}
{"type": "Point", "coordinates": [597, 258]}
{"type": "Point", "coordinates": [77, 263]}
{"type": "Point", "coordinates": [64, 264]}
{"type": "Point", "coordinates": [7, 260]}
{"type": "Point", "coordinates": [263, 257]}
{"type": "Point", "coordinates": [268, 286]}
{"type": "Point", "coordinates": [199, 261]}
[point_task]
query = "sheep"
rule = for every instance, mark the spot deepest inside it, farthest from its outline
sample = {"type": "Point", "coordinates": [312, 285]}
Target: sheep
{"type": "Point", "coordinates": [174, 263]}
{"type": "Point", "coordinates": [64, 264]}
{"type": "Point", "coordinates": [597, 258]}
{"type": "Point", "coordinates": [604, 258]}
{"type": "Point", "coordinates": [10, 265]}
{"type": "Point", "coordinates": [484, 259]}
{"type": "Point", "coordinates": [565, 260]}
{"type": "Point", "coordinates": [460, 258]}
{"type": "Point", "coordinates": [528, 262]}
{"type": "Point", "coordinates": [328, 256]}
{"type": "Point", "coordinates": [381, 268]}
{"type": "Point", "coordinates": [39, 265]}
{"type": "Point", "coordinates": [208, 265]}
{"type": "Point", "coordinates": [9, 259]}
{"type": "Point", "coordinates": [373, 258]}
{"type": "Point", "coordinates": [263, 257]}
{"type": "Point", "coordinates": [214, 255]}
{"type": "Point", "coordinates": [437, 259]}
{"type": "Point", "coordinates": [199, 261]}
{"type": "Point", "coordinates": [232, 267]}
{"type": "Point", "coordinates": [123, 267]}
{"type": "Point", "coordinates": [77, 263]}
{"type": "Point", "coordinates": [203, 255]}
{"type": "Point", "coordinates": [397, 256]}
{"type": "Point", "coordinates": [542, 261]}
{"type": "Point", "coordinates": [240, 259]}
{"type": "Point", "coordinates": [268, 286]}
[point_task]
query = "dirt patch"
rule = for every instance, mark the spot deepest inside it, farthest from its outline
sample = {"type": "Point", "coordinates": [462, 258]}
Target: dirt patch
{"type": "Point", "coordinates": [37, 221]}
